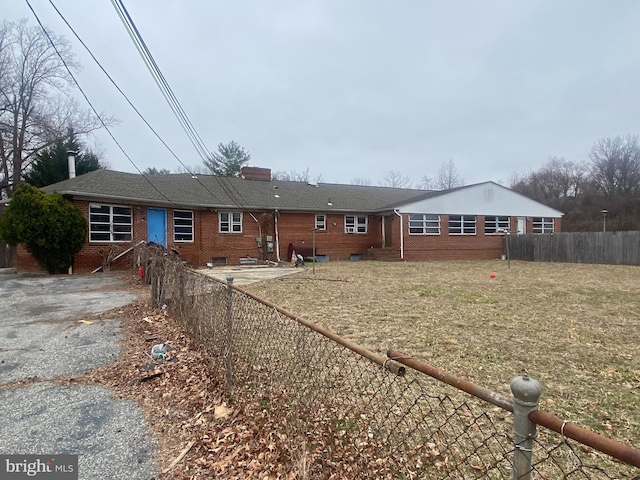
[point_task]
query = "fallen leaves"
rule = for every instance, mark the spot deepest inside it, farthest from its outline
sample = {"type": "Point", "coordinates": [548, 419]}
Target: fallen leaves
{"type": "Point", "coordinates": [221, 411]}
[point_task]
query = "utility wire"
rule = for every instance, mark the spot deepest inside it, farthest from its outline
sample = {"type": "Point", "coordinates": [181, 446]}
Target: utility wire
{"type": "Point", "coordinates": [102, 122]}
{"type": "Point", "coordinates": [130, 103]}
{"type": "Point", "coordinates": [171, 98]}
{"type": "Point", "coordinates": [160, 80]}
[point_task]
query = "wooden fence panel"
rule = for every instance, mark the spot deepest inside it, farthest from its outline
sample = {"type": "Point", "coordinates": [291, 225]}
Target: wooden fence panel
{"type": "Point", "coordinates": [7, 256]}
{"type": "Point", "coordinates": [613, 248]}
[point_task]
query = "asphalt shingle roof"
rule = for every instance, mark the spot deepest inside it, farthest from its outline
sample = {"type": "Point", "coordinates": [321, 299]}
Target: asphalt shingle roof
{"type": "Point", "coordinates": [208, 191]}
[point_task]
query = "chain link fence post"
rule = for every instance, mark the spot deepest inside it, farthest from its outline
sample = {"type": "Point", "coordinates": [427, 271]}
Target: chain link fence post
{"type": "Point", "coordinates": [229, 349]}
{"type": "Point", "coordinates": [526, 393]}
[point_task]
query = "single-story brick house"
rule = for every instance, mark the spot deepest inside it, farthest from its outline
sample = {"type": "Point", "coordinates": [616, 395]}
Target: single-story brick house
{"type": "Point", "coordinates": [210, 219]}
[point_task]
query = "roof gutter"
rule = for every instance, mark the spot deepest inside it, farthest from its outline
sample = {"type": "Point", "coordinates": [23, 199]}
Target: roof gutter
{"type": "Point", "coordinates": [395, 210]}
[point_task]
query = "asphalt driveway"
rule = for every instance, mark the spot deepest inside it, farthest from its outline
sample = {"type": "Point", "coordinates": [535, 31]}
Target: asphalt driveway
{"type": "Point", "coordinates": [42, 336]}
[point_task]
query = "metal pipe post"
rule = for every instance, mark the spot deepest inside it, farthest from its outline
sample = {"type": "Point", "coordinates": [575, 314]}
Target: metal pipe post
{"type": "Point", "coordinates": [526, 394]}
{"type": "Point", "coordinates": [229, 351]}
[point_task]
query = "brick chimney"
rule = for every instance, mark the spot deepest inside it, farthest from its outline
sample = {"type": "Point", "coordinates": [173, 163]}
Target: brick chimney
{"type": "Point", "coordinates": [256, 173]}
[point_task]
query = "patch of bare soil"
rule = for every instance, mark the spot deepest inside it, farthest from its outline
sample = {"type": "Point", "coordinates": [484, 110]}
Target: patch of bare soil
{"type": "Point", "coordinates": [574, 327]}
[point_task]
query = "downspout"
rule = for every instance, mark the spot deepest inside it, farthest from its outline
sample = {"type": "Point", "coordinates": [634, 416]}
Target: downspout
{"type": "Point", "coordinates": [395, 210]}
{"type": "Point", "coordinates": [275, 226]}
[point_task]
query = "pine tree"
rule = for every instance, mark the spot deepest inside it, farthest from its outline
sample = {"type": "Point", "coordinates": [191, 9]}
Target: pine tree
{"type": "Point", "coordinates": [228, 160]}
{"type": "Point", "coordinates": [52, 166]}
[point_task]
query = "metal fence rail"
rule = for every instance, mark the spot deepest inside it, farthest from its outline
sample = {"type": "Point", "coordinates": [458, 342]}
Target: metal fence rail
{"type": "Point", "coordinates": [357, 413]}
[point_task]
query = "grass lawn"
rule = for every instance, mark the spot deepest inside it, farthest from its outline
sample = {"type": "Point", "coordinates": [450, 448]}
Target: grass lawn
{"type": "Point", "coordinates": [573, 327]}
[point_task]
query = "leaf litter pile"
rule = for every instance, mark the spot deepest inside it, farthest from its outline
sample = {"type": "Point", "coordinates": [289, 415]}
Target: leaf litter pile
{"type": "Point", "coordinates": [203, 433]}
{"type": "Point", "coordinates": [572, 327]}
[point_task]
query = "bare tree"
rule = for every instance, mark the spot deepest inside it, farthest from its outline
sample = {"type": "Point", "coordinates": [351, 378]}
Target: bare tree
{"type": "Point", "coordinates": [448, 176]}
{"type": "Point", "coordinates": [199, 169]}
{"type": "Point", "coordinates": [615, 167]}
{"type": "Point", "coordinates": [156, 171]}
{"type": "Point", "coordinates": [396, 180]}
{"type": "Point", "coordinates": [360, 181]}
{"type": "Point", "coordinates": [554, 183]}
{"type": "Point", "coordinates": [427, 183]}
{"type": "Point", "coordinates": [563, 185]}
{"type": "Point", "coordinates": [294, 176]}
{"type": "Point", "coordinates": [35, 106]}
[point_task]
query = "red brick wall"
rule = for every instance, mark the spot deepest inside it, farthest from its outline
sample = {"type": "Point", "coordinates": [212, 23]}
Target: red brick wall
{"type": "Point", "coordinates": [25, 262]}
{"type": "Point", "coordinates": [294, 228]}
{"type": "Point", "coordinates": [297, 228]}
{"type": "Point", "coordinates": [454, 246]}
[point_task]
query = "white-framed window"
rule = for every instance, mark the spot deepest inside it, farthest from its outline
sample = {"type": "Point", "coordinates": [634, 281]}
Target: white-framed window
{"type": "Point", "coordinates": [321, 221]}
{"type": "Point", "coordinates": [183, 226]}
{"type": "Point", "coordinates": [462, 224]}
{"type": "Point", "coordinates": [230, 222]}
{"type": "Point", "coordinates": [110, 223]}
{"type": "Point", "coordinates": [496, 224]}
{"type": "Point", "coordinates": [542, 225]}
{"type": "Point", "coordinates": [424, 224]}
{"type": "Point", "coordinates": [355, 224]}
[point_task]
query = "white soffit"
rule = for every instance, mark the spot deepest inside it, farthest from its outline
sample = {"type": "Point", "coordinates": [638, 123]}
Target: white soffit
{"type": "Point", "coordinates": [482, 199]}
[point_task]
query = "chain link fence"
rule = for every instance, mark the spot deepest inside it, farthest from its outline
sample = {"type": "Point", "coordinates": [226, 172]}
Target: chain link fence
{"type": "Point", "coordinates": [359, 414]}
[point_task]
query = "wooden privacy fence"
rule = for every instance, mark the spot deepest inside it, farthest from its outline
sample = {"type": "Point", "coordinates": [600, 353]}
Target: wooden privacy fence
{"type": "Point", "coordinates": [7, 256]}
{"type": "Point", "coordinates": [613, 248]}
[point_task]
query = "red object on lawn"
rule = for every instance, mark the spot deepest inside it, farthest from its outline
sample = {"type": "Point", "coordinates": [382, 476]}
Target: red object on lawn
{"type": "Point", "coordinates": [492, 275]}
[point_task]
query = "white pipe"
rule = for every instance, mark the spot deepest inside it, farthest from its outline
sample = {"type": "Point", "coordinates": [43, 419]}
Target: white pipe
{"type": "Point", "coordinates": [275, 226]}
{"type": "Point", "coordinates": [395, 210]}
{"type": "Point", "coordinates": [71, 159]}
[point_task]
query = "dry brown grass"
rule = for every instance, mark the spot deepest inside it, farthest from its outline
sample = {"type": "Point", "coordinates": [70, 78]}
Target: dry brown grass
{"type": "Point", "coordinates": [575, 328]}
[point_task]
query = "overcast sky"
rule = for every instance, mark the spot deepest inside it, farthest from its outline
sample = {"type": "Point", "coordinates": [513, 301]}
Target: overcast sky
{"type": "Point", "coordinates": [359, 88]}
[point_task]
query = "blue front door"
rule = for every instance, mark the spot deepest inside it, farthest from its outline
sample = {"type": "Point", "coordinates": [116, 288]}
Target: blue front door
{"type": "Point", "coordinates": [157, 226]}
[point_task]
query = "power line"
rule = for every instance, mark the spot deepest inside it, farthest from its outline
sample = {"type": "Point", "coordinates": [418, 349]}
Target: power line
{"type": "Point", "coordinates": [171, 98]}
{"type": "Point", "coordinates": [160, 80]}
{"type": "Point", "coordinates": [102, 122]}
{"type": "Point", "coordinates": [130, 102]}
{"type": "Point", "coordinates": [213, 195]}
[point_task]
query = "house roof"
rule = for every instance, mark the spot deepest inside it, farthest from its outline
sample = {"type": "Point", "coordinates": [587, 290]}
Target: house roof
{"type": "Point", "coordinates": [183, 190]}
{"type": "Point", "coordinates": [209, 191]}
{"type": "Point", "coordinates": [481, 199]}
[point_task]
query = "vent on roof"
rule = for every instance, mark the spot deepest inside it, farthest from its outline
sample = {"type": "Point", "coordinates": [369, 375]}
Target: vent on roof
{"type": "Point", "coordinates": [313, 183]}
{"type": "Point", "coordinates": [256, 173]}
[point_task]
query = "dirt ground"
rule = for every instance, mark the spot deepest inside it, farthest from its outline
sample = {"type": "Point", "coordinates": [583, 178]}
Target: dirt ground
{"type": "Point", "coordinates": [574, 327]}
